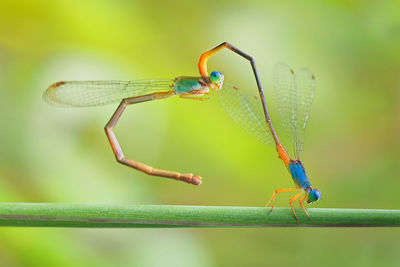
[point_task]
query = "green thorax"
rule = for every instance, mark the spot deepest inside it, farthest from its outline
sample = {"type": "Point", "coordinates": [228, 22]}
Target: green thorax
{"type": "Point", "coordinates": [184, 85]}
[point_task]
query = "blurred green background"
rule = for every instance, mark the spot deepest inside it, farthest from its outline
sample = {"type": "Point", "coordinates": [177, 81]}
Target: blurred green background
{"type": "Point", "coordinates": [53, 154]}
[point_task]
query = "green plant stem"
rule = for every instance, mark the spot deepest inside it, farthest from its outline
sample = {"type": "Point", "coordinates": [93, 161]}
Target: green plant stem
{"type": "Point", "coordinates": [153, 216]}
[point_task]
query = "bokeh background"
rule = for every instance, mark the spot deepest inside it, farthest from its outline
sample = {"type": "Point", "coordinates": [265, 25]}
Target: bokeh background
{"type": "Point", "coordinates": [53, 154]}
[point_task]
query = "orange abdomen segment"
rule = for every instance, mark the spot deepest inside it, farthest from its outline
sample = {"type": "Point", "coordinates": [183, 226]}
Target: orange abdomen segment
{"type": "Point", "coordinates": [283, 154]}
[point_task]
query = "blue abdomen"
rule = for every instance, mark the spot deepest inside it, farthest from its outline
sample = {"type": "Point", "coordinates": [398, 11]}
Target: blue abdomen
{"type": "Point", "coordinates": [299, 174]}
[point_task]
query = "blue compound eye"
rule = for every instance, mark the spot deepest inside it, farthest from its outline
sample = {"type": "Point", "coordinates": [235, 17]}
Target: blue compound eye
{"type": "Point", "coordinates": [215, 76]}
{"type": "Point", "coordinates": [314, 195]}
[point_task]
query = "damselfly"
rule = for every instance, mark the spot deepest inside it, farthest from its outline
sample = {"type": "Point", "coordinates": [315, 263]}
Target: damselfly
{"type": "Point", "coordinates": [294, 93]}
{"type": "Point", "coordinates": [96, 93]}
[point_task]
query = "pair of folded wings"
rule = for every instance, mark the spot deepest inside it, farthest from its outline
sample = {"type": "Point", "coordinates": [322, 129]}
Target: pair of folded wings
{"type": "Point", "coordinates": [294, 93]}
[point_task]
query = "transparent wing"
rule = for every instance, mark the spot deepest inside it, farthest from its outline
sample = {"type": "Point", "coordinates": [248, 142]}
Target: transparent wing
{"type": "Point", "coordinates": [306, 88]}
{"type": "Point", "coordinates": [294, 93]}
{"type": "Point", "coordinates": [286, 100]}
{"type": "Point", "coordinates": [245, 110]}
{"type": "Point", "coordinates": [95, 93]}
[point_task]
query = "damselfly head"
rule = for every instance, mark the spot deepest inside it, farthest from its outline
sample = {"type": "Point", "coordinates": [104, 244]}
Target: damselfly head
{"type": "Point", "coordinates": [217, 78]}
{"type": "Point", "coordinates": [313, 196]}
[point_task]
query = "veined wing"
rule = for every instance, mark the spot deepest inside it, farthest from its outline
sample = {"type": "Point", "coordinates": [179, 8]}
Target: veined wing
{"type": "Point", "coordinates": [294, 93]}
{"type": "Point", "coordinates": [95, 93]}
{"type": "Point", "coordinates": [245, 110]}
